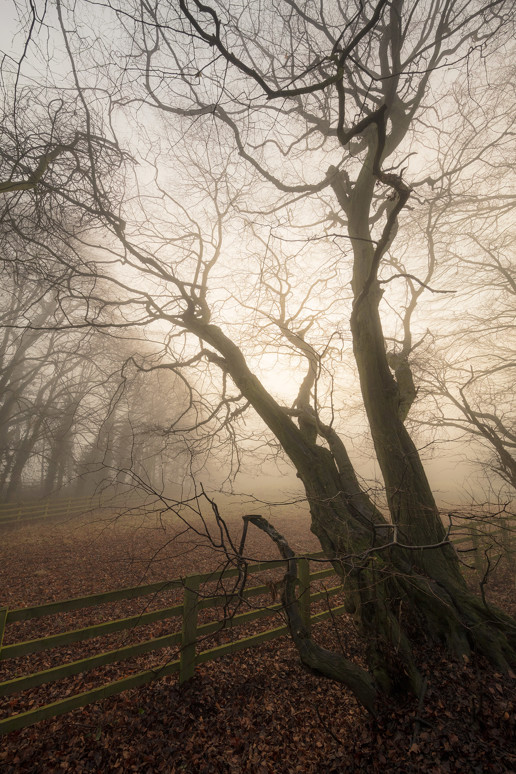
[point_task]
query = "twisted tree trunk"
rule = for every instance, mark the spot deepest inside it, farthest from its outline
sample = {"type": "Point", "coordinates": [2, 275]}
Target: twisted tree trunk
{"type": "Point", "coordinates": [383, 569]}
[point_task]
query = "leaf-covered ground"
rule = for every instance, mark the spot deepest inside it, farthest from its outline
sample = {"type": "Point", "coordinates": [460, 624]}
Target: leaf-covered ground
{"type": "Point", "coordinates": [257, 711]}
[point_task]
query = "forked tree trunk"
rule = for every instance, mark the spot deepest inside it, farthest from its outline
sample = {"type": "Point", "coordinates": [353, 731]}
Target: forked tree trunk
{"type": "Point", "coordinates": [386, 577]}
{"type": "Point", "coordinates": [433, 586]}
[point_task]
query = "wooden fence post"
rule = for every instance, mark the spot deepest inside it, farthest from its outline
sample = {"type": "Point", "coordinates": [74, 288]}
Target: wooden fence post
{"type": "Point", "coordinates": [303, 576]}
{"type": "Point", "coordinates": [3, 619]}
{"type": "Point", "coordinates": [189, 631]}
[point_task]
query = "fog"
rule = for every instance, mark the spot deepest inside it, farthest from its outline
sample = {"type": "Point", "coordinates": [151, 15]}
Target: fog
{"type": "Point", "coordinates": [171, 234]}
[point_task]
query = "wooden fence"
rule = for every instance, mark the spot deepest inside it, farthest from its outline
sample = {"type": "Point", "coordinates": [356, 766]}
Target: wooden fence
{"type": "Point", "coordinates": [33, 510]}
{"type": "Point", "coordinates": [485, 540]}
{"type": "Point", "coordinates": [15, 513]}
{"type": "Point", "coordinates": [186, 639]}
{"type": "Point", "coordinates": [471, 536]}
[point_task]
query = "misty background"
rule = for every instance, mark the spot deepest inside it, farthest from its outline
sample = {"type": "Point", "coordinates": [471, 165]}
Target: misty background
{"type": "Point", "coordinates": [98, 390]}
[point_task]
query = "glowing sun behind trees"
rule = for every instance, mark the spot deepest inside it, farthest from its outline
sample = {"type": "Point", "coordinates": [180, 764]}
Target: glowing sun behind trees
{"type": "Point", "coordinates": [274, 168]}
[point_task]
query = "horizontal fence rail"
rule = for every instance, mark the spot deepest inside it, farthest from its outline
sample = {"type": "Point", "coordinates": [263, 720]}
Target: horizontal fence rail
{"type": "Point", "coordinates": [476, 538]}
{"type": "Point", "coordinates": [14, 513]}
{"type": "Point", "coordinates": [485, 540]}
{"type": "Point", "coordinates": [33, 510]}
{"type": "Point", "coordinates": [186, 639]}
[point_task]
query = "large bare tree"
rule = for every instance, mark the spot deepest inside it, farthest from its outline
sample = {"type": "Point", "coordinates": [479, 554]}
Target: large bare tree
{"type": "Point", "coordinates": [462, 357]}
{"type": "Point", "coordinates": [271, 150]}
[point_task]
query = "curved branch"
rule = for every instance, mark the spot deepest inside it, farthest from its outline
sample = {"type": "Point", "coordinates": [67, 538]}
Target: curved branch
{"type": "Point", "coordinates": [333, 665]}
